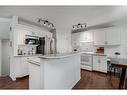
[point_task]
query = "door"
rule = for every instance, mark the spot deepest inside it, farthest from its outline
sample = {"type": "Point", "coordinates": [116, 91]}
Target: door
{"type": "Point", "coordinates": [5, 57]}
{"type": "Point", "coordinates": [99, 37]}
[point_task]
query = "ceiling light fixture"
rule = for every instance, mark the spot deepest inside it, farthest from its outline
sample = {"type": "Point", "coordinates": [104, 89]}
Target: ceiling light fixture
{"type": "Point", "coordinates": [79, 26]}
{"type": "Point", "coordinates": [46, 23]}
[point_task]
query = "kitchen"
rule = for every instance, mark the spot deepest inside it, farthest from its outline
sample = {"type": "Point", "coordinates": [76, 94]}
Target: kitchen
{"type": "Point", "coordinates": [35, 46]}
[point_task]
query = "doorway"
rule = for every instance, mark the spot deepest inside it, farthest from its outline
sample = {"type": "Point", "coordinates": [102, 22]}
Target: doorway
{"type": "Point", "coordinates": [5, 60]}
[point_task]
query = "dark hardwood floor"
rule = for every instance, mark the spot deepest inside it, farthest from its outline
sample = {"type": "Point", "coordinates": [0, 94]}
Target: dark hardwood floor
{"type": "Point", "coordinates": [89, 80]}
{"type": "Point", "coordinates": [97, 80]}
{"type": "Point", "coordinates": [7, 83]}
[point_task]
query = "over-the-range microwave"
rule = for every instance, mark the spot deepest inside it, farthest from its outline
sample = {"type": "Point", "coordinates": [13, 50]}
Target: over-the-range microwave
{"type": "Point", "coordinates": [31, 40]}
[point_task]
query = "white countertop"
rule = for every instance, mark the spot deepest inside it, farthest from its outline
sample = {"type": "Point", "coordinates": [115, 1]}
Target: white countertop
{"type": "Point", "coordinates": [29, 55]}
{"type": "Point", "coordinates": [69, 54]}
{"type": "Point", "coordinates": [59, 55]}
{"type": "Point", "coordinates": [92, 53]}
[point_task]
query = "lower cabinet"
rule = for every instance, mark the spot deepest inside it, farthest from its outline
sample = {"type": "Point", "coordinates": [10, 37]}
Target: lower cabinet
{"type": "Point", "coordinates": [100, 63]}
{"type": "Point", "coordinates": [24, 65]}
{"type": "Point", "coordinates": [34, 76]}
{"type": "Point", "coordinates": [21, 67]}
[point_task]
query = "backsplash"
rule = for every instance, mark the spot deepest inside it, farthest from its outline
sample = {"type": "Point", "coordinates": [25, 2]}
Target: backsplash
{"type": "Point", "coordinates": [87, 46]}
{"type": "Point", "coordinates": [26, 50]}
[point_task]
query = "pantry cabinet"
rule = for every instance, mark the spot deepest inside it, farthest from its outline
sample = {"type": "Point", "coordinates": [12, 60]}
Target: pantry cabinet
{"type": "Point", "coordinates": [100, 63]}
{"type": "Point", "coordinates": [107, 36]}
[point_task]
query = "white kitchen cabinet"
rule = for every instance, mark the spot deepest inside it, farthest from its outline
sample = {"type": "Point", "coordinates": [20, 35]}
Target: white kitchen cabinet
{"type": "Point", "coordinates": [82, 37]}
{"type": "Point", "coordinates": [34, 76]}
{"type": "Point", "coordinates": [86, 36]}
{"type": "Point", "coordinates": [113, 36]}
{"type": "Point", "coordinates": [24, 64]}
{"type": "Point", "coordinates": [99, 37]}
{"type": "Point", "coordinates": [21, 66]}
{"type": "Point", "coordinates": [100, 63]}
{"type": "Point", "coordinates": [75, 39]}
{"type": "Point", "coordinates": [107, 36]}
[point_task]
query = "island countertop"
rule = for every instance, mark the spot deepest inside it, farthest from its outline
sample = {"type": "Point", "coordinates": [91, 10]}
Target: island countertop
{"type": "Point", "coordinates": [56, 56]}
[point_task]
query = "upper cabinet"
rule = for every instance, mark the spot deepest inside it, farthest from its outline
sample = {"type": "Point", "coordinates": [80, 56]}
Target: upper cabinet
{"type": "Point", "coordinates": [77, 38]}
{"type": "Point", "coordinates": [86, 36]}
{"type": "Point", "coordinates": [20, 32]}
{"type": "Point", "coordinates": [113, 36]}
{"type": "Point", "coordinates": [107, 36]}
{"type": "Point", "coordinates": [99, 37]}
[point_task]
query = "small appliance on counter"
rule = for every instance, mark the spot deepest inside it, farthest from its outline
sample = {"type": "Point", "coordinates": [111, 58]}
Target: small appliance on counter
{"type": "Point", "coordinates": [100, 50]}
{"type": "Point", "coordinates": [20, 52]}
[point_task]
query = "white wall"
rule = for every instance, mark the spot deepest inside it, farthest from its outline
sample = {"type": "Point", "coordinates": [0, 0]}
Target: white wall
{"type": "Point", "coordinates": [63, 41]}
{"type": "Point", "coordinates": [0, 58]}
{"type": "Point", "coordinates": [5, 57]}
{"type": "Point", "coordinates": [124, 42]}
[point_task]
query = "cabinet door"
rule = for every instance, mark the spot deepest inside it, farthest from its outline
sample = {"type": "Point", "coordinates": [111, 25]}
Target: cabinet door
{"type": "Point", "coordinates": [96, 63]}
{"type": "Point", "coordinates": [24, 66]}
{"type": "Point", "coordinates": [21, 36]}
{"type": "Point", "coordinates": [103, 64]}
{"type": "Point", "coordinates": [100, 63]}
{"type": "Point", "coordinates": [75, 39]}
{"type": "Point", "coordinates": [34, 76]}
{"type": "Point", "coordinates": [113, 36]}
{"type": "Point", "coordinates": [86, 36]}
{"type": "Point", "coordinates": [17, 67]}
{"type": "Point", "coordinates": [99, 37]}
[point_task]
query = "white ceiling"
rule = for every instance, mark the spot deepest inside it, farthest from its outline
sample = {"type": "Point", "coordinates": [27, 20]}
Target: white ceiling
{"type": "Point", "coordinates": [63, 17]}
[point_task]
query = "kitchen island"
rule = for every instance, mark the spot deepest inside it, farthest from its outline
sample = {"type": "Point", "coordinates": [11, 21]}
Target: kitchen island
{"type": "Point", "coordinates": [55, 71]}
